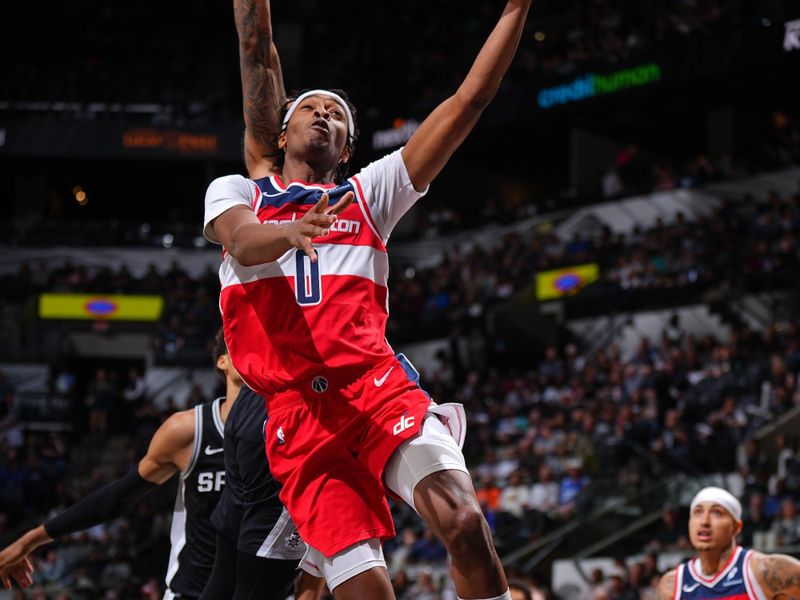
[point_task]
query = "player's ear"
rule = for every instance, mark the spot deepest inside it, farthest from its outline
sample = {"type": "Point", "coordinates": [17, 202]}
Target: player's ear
{"type": "Point", "coordinates": [345, 154]}
{"type": "Point", "coordinates": [282, 141]}
{"type": "Point", "coordinates": [223, 363]}
{"type": "Point", "coordinates": [737, 527]}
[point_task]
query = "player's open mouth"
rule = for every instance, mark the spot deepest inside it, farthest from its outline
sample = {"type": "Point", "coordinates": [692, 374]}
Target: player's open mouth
{"type": "Point", "coordinates": [321, 126]}
{"type": "Point", "coordinates": [704, 536]}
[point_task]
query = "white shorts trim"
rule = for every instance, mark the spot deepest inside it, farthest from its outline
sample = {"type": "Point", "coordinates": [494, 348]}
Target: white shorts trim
{"type": "Point", "coordinates": [432, 450]}
{"type": "Point", "coordinates": [345, 565]}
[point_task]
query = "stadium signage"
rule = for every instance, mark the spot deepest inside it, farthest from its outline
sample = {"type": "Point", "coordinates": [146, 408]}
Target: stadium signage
{"type": "Point", "coordinates": [792, 39]}
{"type": "Point", "coordinates": [591, 85]}
{"type": "Point", "coordinates": [565, 282]}
{"type": "Point", "coordinates": [114, 307]}
{"type": "Point", "coordinates": [170, 139]}
{"type": "Point", "coordinates": [398, 135]}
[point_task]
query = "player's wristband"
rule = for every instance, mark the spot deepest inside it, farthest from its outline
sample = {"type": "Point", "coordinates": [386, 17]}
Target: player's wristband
{"type": "Point", "coordinates": [107, 503]}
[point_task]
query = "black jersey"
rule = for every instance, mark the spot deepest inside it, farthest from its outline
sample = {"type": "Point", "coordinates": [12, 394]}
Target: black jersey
{"type": "Point", "coordinates": [250, 511]}
{"type": "Point", "coordinates": [193, 537]}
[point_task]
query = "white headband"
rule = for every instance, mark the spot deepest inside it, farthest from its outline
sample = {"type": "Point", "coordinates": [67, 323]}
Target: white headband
{"type": "Point", "coordinates": [719, 496]}
{"type": "Point", "coordinates": [337, 97]}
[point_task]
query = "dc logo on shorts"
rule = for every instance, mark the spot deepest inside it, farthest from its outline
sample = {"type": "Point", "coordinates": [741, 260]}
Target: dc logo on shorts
{"type": "Point", "coordinates": [319, 384]}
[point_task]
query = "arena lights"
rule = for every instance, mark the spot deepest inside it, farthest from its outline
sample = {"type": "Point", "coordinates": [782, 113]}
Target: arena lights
{"type": "Point", "coordinates": [591, 85]}
{"type": "Point", "coordinates": [80, 195]}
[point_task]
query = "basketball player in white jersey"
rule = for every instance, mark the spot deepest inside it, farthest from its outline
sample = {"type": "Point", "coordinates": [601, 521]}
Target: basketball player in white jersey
{"type": "Point", "coordinates": [242, 215]}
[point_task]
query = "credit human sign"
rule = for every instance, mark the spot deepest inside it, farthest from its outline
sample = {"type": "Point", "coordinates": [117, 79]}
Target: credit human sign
{"type": "Point", "coordinates": [588, 86]}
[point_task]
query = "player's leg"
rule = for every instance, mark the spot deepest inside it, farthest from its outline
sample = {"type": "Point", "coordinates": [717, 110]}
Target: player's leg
{"type": "Point", "coordinates": [222, 580]}
{"type": "Point", "coordinates": [429, 473]}
{"type": "Point", "coordinates": [356, 573]}
{"type": "Point", "coordinates": [263, 578]}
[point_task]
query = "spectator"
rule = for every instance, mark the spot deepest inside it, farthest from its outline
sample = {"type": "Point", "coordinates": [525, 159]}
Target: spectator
{"type": "Point", "coordinates": [786, 526]}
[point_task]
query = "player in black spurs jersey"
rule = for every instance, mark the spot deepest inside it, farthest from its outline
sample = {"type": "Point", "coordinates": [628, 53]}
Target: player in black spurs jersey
{"type": "Point", "coordinates": [189, 443]}
{"type": "Point", "coordinates": [258, 547]}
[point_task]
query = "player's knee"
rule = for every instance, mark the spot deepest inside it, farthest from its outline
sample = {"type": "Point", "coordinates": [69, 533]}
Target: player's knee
{"type": "Point", "coordinates": [466, 530]}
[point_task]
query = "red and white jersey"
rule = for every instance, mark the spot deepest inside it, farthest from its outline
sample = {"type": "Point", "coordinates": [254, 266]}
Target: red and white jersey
{"type": "Point", "coordinates": [289, 320]}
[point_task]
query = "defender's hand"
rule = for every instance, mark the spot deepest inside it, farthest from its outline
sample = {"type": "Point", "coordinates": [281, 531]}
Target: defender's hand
{"type": "Point", "coordinates": [14, 564]}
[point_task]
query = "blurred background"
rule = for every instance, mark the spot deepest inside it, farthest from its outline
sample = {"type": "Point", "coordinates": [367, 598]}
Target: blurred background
{"type": "Point", "coordinates": [605, 274]}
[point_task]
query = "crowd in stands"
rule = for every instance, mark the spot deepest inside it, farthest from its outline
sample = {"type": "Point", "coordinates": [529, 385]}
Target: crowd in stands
{"type": "Point", "coordinates": [191, 72]}
{"type": "Point", "coordinates": [635, 171]}
{"type": "Point", "coordinates": [541, 435]}
{"type": "Point", "coordinates": [539, 440]}
{"type": "Point", "coordinates": [741, 245]}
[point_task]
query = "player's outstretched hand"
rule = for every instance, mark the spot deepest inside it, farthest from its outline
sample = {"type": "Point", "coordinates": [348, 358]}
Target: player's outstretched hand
{"type": "Point", "coordinates": [14, 564]}
{"type": "Point", "coordinates": [316, 222]}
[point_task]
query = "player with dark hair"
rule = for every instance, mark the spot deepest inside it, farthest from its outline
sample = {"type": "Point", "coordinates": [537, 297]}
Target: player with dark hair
{"type": "Point", "coordinates": [188, 443]}
{"type": "Point", "coordinates": [303, 301]}
{"type": "Point", "coordinates": [723, 569]}
{"type": "Point", "coordinates": [258, 547]}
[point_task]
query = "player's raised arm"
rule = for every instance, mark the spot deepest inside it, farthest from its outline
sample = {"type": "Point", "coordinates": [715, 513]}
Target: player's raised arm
{"type": "Point", "coordinates": [778, 575]}
{"type": "Point", "coordinates": [263, 93]}
{"type": "Point", "coordinates": [169, 452]}
{"type": "Point", "coordinates": [442, 132]}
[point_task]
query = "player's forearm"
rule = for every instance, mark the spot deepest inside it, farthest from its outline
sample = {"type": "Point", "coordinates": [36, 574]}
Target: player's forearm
{"type": "Point", "coordinates": [263, 92]}
{"type": "Point", "coordinates": [107, 503]}
{"type": "Point", "coordinates": [34, 538]}
{"type": "Point", "coordinates": [483, 80]}
{"type": "Point", "coordinates": [255, 244]}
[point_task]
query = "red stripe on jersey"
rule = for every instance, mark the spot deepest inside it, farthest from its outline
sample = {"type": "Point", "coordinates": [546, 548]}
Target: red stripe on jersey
{"type": "Point", "coordinates": [274, 342]}
{"type": "Point", "coordinates": [366, 211]}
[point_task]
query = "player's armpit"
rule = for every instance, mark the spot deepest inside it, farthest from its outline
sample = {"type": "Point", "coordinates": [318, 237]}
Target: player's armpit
{"type": "Point", "coordinates": [170, 449]}
{"type": "Point", "coordinates": [666, 587]}
{"type": "Point", "coordinates": [778, 575]}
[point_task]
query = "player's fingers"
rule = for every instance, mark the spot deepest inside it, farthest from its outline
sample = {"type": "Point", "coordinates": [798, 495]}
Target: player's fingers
{"type": "Point", "coordinates": [313, 231]}
{"type": "Point", "coordinates": [309, 250]}
{"type": "Point", "coordinates": [6, 580]}
{"type": "Point", "coordinates": [346, 201]}
{"type": "Point", "coordinates": [323, 220]}
{"type": "Point", "coordinates": [23, 579]}
{"type": "Point", "coordinates": [321, 205]}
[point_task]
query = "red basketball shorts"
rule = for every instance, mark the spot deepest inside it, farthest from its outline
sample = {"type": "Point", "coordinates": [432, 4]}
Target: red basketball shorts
{"type": "Point", "coordinates": [328, 441]}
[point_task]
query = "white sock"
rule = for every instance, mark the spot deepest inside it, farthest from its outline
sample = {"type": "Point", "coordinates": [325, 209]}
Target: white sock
{"type": "Point", "coordinates": [505, 596]}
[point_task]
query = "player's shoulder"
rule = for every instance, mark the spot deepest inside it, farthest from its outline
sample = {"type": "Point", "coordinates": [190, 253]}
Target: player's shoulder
{"type": "Point", "coordinates": [774, 572]}
{"type": "Point", "coordinates": [179, 425]}
{"type": "Point", "coordinates": [235, 179]}
{"type": "Point", "coordinates": [387, 163]}
{"type": "Point", "coordinates": [229, 186]}
{"type": "Point", "coordinates": [666, 586]}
